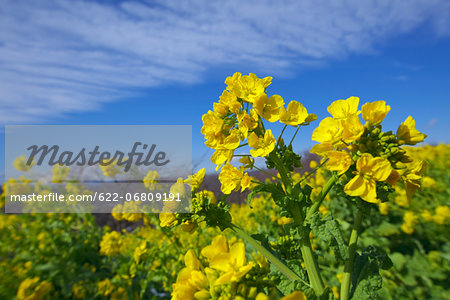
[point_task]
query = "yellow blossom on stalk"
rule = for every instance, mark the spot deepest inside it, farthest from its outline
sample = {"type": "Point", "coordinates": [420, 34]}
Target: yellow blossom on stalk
{"type": "Point", "coordinates": [329, 131]}
{"type": "Point", "coordinates": [60, 173]}
{"type": "Point", "coordinates": [268, 108]}
{"type": "Point", "coordinates": [232, 263]}
{"type": "Point", "coordinates": [230, 101]}
{"type": "Point", "coordinates": [29, 289]}
{"type": "Point", "coordinates": [191, 282]}
{"type": "Point", "coordinates": [369, 171]}
{"type": "Point", "coordinates": [409, 220]}
{"type": "Point", "coordinates": [375, 112]}
{"type": "Point", "coordinates": [339, 161]}
{"type": "Point", "coordinates": [196, 179]}
{"type": "Point", "coordinates": [111, 243]}
{"type": "Point", "coordinates": [232, 179]}
{"type": "Point", "coordinates": [408, 134]}
{"type": "Point", "coordinates": [442, 213]}
{"type": "Point", "coordinates": [20, 163]}
{"type": "Point", "coordinates": [412, 177]}
{"type": "Point", "coordinates": [178, 188]}
{"type": "Point", "coordinates": [248, 87]}
{"type": "Point", "coordinates": [111, 169]}
{"type": "Point", "coordinates": [247, 162]}
{"type": "Point", "coordinates": [294, 115]}
{"type": "Point", "coordinates": [221, 156]}
{"type": "Point", "coordinates": [247, 122]}
{"type": "Point", "coordinates": [218, 245]}
{"type": "Point", "coordinates": [139, 251]}
{"type": "Point", "coordinates": [353, 128]}
{"type": "Point", "coordinates": [261, 146]}
{"type": "Point", "coordinates": [151, 180]}
{"type": "Point", "coordinates": [341, 109]}
{"type": "Point", "coordinates": [383, 207]}
{"type": "Point", "coordinates": [295, 295]}
{"type": "Point", "coordinates": [167, 219]}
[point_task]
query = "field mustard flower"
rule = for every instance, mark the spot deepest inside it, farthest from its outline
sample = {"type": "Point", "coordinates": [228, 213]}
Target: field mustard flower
{"type": "Point", "coordinates": [408, 134]}
{"type": "Point", "coordinates": [232, 261]}
{"type": "Point", "coordinates": [232, 179]}
{"type": "Point", "coordinates": [328, 132]}
{"type": "Point", "coordinates": [220, 157]}
{"type": "Point", "coordinates": [196, 179]}
{"type": "Point", "coordinates": [375, 112]}
{"type": "Point", "coordinates": [294, 115]}
{"type": "Point", "coordinates": [268, 108]}
{"type": "Point", "coordinates": [261, 146]}
{"type": "Point", "coordinates": [151, 180]}
{"type": "Point", "coordinates": [369, 171]}
{"type": "Point", "coordinates": [20, 163]}
{"type": "Point", "coordinates": [341, 109]}
{"type": "Point", "coordinates": [339, 161]}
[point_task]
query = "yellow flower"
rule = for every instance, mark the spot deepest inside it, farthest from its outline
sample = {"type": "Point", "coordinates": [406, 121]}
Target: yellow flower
{"type": "Point", "coordinates": [295, 295]}
{"type": "Point", "coordinates": [110, 170]}
{"type": "Point", "coordinates": [383, 207]}
{"type": "Point", "coordinates": [151, 180]}
{"type": "Point", "coordinates": [167, 219]}
{"type": "Point", "coordinates": [178, 188]}
{"type": "Point", "coordinates": [341, 109]}
{"type": "Point", "coordinates": [191, 282]}
{"type": "Point", "coordinates": [59, 173]}
{"type": "Point", "coordinates": [442, 213]}
{"type": "Point", "coordinates": [248, 87]}
{"type": "Point", "coordinates": [375, 112]}
{"type": "Point", "coordinates": [409, 220]}
{"type": "Point", "coordinates": [233, 264]}
{"type": "Point", "coordinates": [218, 245]}
{"type": "Point", "coordinates": [339, 161]}
{"type": "Point", "coordinates": [111, 243]}
{"type": "Point", "coordinates": [268, 108]}
{"type": "Point", "coordinates": [408, 134]}
{"type": "Point", "coordinates": [20, 163]}
{"type": "Point", "coordinates": [353, 128]}
{"type": "Point", "coordinates": [231, 179]}
{"type": "Point", "coordinates": [412, 177]}
{"type": "Point", "coordinates": [29, 289]}
{"type": "Point", "coordinates": [369, 171]}
{"type": "Point", "coordinates": [262, 146]}
{"type": "Point", "coordinates": [247, 122]}
{"type": "Point", "coordinates": [247, 162]}
{"type": "Point", "coordinates": [221, 156]}
{"type": "Point", "coordinates": [196, 179]}
{"type": "Point", "coordinates": [229, 100]}
{"type": "Point", "coordinates": [329, 131]}
{"type": "Point", "coordinates": [294, 115]}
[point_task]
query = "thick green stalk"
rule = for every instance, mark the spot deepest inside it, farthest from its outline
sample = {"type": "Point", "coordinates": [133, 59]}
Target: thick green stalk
{"type": "Point", "coordinates": [317, 202]}
{"type": "Point", "coordinates": [312, 267]}
{"type": "Point", "coordinates": [346, 279]}
{"type": "Point", "coordinates": [267, 254]}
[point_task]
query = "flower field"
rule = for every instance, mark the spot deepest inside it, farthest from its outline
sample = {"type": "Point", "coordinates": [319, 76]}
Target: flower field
{"type": "Point", "coordinates": [368, 220]}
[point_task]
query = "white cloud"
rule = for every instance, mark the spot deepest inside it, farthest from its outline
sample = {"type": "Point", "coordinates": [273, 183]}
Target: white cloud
{"type": "Point", "coordinates": [65, 56]}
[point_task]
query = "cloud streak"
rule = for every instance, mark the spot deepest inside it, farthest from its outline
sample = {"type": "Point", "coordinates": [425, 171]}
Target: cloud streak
{"type": "Point", "coordinates": [58, 57]}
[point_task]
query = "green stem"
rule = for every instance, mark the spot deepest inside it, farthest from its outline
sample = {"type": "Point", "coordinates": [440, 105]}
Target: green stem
{"type": "Point", "coordinates": [267, 254]}
{"type": "Point", "coordinates": [281, 134]}
{"type": "Point", "coordinates": [312, 267]}
{"type": "Point", "coordinates": [346, 279]}
{"type": "Point", "coordinates": [316, 204]}
{"type": "Point", "coordinates": [295, 134]}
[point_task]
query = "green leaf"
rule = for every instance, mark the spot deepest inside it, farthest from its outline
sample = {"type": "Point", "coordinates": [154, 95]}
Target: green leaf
{"type": "Point", "coordinates": [327, 229]}
{"type": "Point", "coordinates": [366, 278]}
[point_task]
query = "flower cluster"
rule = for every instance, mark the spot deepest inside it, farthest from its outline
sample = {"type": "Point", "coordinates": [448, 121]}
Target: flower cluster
{"type": "Point", "coordinates": [373, 156]}
{"type": "Point", "coordinates": [238, 117]}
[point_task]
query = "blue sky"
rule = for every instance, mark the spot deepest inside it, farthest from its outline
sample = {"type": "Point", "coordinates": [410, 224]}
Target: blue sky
{"type": "Point", "coordinates": [164, 62]}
